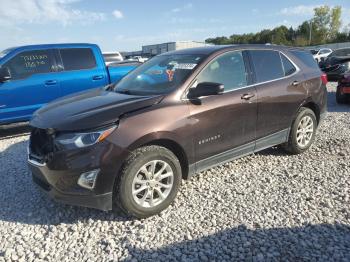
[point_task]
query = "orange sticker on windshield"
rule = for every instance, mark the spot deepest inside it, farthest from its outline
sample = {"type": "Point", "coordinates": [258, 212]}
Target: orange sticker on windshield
{"type": "Point", "coordinates": [170, 74]}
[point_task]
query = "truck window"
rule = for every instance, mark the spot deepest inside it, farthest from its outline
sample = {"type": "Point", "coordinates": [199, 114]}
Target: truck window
{"type": "Point", "coordinates": [267, 65]}
{"type": "Point", "coordinates": [29, 63]}
{"type": "Point", "coordinates": [77, 58]}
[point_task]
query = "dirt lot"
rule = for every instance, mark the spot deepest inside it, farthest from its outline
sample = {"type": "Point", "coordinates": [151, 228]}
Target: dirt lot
{"type": "Point", "coordinates": [268, 206]}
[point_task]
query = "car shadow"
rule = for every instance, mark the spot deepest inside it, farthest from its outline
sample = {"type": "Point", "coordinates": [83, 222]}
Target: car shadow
{"type": "Point", "coordinates": [22, 201]}
{"type": "Point", "coordinates": [14, 130]}
{"type": "Point", "coordinates": [323, 242]}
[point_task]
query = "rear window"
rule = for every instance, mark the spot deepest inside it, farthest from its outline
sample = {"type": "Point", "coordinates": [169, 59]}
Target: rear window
{"type": "Point", "coordinates": [288, 67]}
{"type": "Point", "coordinates": [306, 58]}
{"type": "Point", "coordinates": [77, 58]}
{"type": "Point", "coordinates": [341, 52]}
{"type": "Point", "coordinates": [267, 65]}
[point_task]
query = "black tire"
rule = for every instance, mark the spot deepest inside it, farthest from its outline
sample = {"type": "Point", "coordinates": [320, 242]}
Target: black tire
{"type": "Point", "coordinates": [122, 196]}
{"type": "Point", "coordinates": [292, 145]}
{"type": "Point", "coordinates": [340, 98]}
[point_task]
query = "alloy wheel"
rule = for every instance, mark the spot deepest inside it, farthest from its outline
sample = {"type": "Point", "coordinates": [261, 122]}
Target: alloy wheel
{"type": "Point", "coordinates": [305, 131]}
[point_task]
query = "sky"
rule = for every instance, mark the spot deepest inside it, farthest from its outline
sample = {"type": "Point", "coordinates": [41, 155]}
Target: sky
{"type": "Point", "coordinates": [117, 25]}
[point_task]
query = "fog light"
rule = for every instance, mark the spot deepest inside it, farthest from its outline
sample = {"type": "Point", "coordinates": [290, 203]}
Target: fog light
{"type": "Point", "coordinates": [88, 179]}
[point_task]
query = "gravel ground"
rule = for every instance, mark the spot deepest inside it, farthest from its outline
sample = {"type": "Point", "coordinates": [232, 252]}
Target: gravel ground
{"type": "Point", "coordinates": [268, 206]}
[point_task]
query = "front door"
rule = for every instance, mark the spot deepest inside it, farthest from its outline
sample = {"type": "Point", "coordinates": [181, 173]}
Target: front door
{"type": "Point", "coordinates": [224, 125]}
{"type": "Point", "coordinates": [81, 70]}
{"type": "Point", "coordinates": [33, 83]}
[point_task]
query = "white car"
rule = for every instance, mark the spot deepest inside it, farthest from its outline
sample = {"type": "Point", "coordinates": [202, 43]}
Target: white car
{"type": "Point", "coordinates": [322, 53]}
{"type": "Point", "coordinates": [112, 57]}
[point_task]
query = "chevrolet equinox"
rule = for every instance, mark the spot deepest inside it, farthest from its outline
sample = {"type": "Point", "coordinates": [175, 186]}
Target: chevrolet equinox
{"type": "Point", "coordinates": [127, 146]}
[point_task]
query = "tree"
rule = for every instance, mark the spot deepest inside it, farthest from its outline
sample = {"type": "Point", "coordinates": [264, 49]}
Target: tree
{"type": "Point", "coordinates": [322, 28]}
{"type": "Point", "coordinates": [335, 22]}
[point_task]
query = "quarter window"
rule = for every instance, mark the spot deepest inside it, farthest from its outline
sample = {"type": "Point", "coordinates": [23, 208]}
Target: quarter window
{"type": "Point", "coordinates": [77, 58]}
{"type": "Point", "coordinates": [28, 63]}
{"type": "Point", "coordinates": [288, 67]}
{"type": "Point", "coordinates": [267, 65]}
{"type": "Point", "coordinates": [228, 69]}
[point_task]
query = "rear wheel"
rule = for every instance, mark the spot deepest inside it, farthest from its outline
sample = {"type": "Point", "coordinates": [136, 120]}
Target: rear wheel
{"type": "Point", "coordinates": [303, 131]}
{"type": "Point", "coordinates": [148, 182]}
{"type": "Point", "coordinates": [340, 97]}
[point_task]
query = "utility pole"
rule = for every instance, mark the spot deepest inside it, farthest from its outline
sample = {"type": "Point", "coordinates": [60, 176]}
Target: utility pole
{"type": "Point", "coordinates": [310, 33]}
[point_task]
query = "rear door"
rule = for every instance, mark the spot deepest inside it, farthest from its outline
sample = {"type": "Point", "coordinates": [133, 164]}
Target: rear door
{"type": "Point", "coordinates": [280, 90]}
{"type": "Point", "coordinates": [80, 70]}
{"type": "Point", "coordinates": [223, 123]}
{"type": "Point", "coordinates": [33, 83]}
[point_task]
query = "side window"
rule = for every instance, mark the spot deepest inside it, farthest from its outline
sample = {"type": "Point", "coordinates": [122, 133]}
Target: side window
{"type": "Point", "coordinates": [228, 69]}
{"type": "Point", "coordinates": [77, 58]}
{"type": "Point", "coordinates": [267, 65]}
{"type": "Point", "coordinates": [28, 63]}
{"type": "Point", "coordinates": [288, 67]}
{"type": "Point", "coordinates": [306, 58]}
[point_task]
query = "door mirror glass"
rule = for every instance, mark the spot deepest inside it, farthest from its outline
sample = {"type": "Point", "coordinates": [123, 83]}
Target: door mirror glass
{"type": "Point", "coordinates": [206, 89]}
{"type": "Point", "coordinates": [5, 74]}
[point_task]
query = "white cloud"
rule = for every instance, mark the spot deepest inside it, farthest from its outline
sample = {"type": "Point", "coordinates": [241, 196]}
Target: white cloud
{"type": "Point", "coordinates": [300, 10]}
{"type": "Point", "coordinates": [45, 11]}
{"type": "Point", "coordinates": [182, 8]}
{"type": "Point", "coordinates": [118, 14]}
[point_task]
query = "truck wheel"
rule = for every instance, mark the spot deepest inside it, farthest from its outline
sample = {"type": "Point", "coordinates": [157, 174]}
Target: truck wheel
{"type": "Point", "coordinates": [302, 133]}
{"type": "Point", "coordinates": [340, 97]}
{"type": "Point", "coordinates": [148, 182]}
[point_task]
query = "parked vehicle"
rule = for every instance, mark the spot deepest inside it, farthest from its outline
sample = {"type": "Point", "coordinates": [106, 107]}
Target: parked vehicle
{"type": "Point", "coordinates": [31, 76]}
{"type": "Point", "coordinates": [337, 64]}
{"type": "Point", "coordinates": [137, 59]}
{"type": "Point", "coordinates": [321, 54]}
{"type": "Point", "coordinates": [343, 89]}
{"type": "Point", "coordinates": [112, 57]}
{"type": "Point", "coordinates": [177, 114]}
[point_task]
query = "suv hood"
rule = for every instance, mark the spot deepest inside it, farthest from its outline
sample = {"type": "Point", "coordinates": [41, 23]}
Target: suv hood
{"type": "Point", "coordinates": [89, 110]}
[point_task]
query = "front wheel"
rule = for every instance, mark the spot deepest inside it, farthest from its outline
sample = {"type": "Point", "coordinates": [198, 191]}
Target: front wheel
{"type": "Point", "coordinates": [303, 132]}
{"type": "Point", "coordinates": [148, 182]}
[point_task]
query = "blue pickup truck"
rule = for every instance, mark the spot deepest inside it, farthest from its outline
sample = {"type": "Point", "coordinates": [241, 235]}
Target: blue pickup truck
{"type": "Point", "coordinates": [31, 76]}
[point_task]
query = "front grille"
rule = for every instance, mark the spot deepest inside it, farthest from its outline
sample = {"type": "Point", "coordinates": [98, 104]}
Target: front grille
{"type": "Point", "coordinates": [41, 144]}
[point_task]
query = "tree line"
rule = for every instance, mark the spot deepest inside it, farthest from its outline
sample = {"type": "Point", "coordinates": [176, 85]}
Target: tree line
{"type": "Point", "coordinates": [323, 28]}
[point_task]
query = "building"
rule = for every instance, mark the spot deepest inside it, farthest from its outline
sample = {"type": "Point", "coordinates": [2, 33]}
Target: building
{"type": "Point", "coordinates": [156, 49]}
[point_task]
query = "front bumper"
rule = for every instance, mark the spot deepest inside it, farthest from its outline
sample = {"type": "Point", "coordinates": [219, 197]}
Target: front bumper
{"type": "Point", "coordinates": [42, 175]}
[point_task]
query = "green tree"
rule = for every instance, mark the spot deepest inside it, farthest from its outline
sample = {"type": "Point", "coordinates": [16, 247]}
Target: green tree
{"type": "Point", "coordinates": [335, 22]}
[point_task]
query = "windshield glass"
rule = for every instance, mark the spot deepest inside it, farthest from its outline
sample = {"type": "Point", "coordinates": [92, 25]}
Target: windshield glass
{"type": "Point", "coordinates": [5, 52]}
{"type": "Point", "coordinates": [341, 52]}
{"type": "Point", "coordinates": [159, 75]}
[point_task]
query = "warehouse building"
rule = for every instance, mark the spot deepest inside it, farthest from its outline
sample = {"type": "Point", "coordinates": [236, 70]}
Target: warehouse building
{"type": "Point", "coordinates": [156, 49]}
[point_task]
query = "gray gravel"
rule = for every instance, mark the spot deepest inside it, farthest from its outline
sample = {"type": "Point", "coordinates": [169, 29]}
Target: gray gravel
{"type": "Point", "coordinates": [268, 206]}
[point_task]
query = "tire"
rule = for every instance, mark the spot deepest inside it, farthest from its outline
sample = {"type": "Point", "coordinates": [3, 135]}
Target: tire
{"type": "Point", "coordinates": [295, 144]}
{"type": "Point", "coordinates": [134, 177]}
{"type": "Point", "coordinates": [340, 98]}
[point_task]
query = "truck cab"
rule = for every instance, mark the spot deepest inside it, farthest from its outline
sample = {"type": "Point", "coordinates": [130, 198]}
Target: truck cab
{"type": "Point", "coordinates": [32, 76]}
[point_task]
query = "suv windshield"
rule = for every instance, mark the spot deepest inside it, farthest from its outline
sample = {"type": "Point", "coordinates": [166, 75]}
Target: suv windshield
{"type": "Point", "coordinates": [341, 52]}
{"type": "Point", "coordinates": [159, 75]}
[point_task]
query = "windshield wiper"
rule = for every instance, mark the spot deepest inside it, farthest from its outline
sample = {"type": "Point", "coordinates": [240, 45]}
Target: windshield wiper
{"type": "Point", "coordinates": [126, 92]}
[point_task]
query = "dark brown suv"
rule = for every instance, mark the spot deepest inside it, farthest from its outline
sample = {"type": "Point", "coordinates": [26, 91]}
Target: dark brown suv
{"type": "Point", "coordinates": [129, 145]}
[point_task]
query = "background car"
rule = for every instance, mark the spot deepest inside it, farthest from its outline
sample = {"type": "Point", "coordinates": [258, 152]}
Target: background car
{"type": "Point", "coordinates": [343, 89]}
{"type": "Point", "coordinates": [336, 64]}
{"type": "Point", "coordinates": [321, 54]}
{"type": "Point", "coordinates": [111, 57]}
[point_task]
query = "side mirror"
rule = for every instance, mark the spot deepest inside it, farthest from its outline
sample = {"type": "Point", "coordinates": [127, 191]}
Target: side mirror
{"type": "Point", "coordinates": [5, 74]}
{"type": "Point", "coordinates": [206, 89]}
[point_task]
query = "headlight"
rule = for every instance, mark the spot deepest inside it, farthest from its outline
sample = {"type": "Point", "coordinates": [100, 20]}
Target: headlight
{"type": "Point", "coordinates": [85, 139]}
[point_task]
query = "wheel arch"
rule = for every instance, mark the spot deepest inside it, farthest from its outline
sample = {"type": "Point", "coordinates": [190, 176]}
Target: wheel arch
{"type": "Point", "coordinates": [168, 141]}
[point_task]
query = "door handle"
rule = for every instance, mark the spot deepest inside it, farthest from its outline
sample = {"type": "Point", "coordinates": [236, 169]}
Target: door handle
{"type": "Point", "coordinates": [50, 82]}
{"type": "Point", "coordinates": [247, 96]}
{"type": "Point", "coordinates": [97, 77]}
{"type": "Point", "coordinates": [295, 83]}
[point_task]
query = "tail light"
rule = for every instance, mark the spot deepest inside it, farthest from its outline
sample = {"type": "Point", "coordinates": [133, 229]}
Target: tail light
{"type": "Point", "coordinates": [324, 79]}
